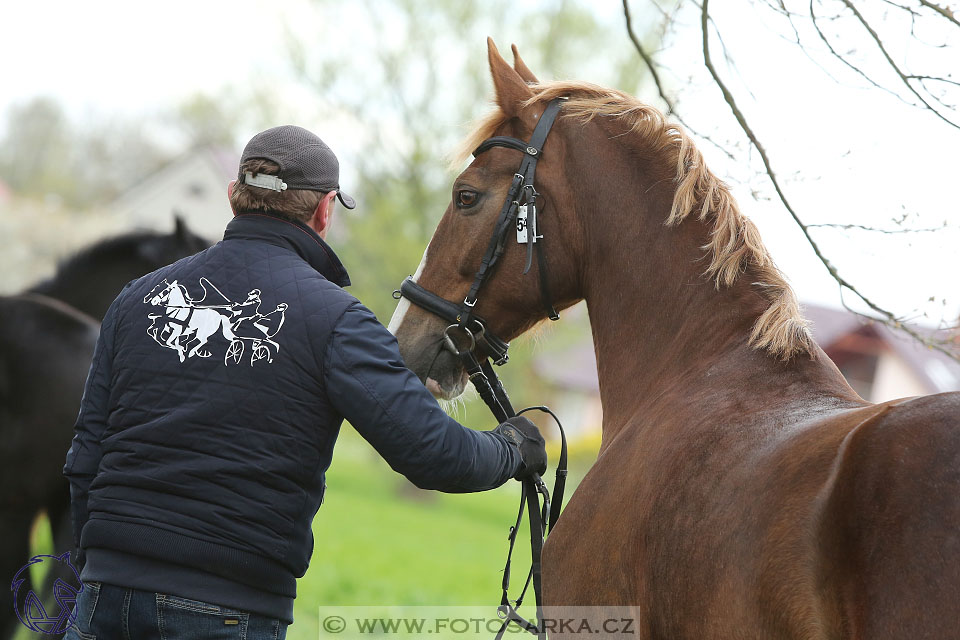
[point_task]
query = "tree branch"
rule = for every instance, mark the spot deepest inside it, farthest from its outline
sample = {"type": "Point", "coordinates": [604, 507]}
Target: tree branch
{"type": "Point", "coordinates": [671, 106]}
{"type": "Point", "coordinates": [834, 225]}
{"type": "Point", "coordinates": [944, 11]}
{"type": "Point", "coordinates": [886, 316]}
{"type": "Point", "coordinates": [647, 60]}
{"type": "Point", "coordinates": [893, 65]}
{"type": "Point", "coordinates": [935, 79]}
{"type": "Point", "coordinates": [910, 10]}
{"type": "Point", "coordinates": [816, 26]}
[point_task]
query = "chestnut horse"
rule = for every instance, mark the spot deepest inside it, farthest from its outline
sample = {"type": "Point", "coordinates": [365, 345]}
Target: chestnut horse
{"type": "Point", "coordinates": [742, 489]}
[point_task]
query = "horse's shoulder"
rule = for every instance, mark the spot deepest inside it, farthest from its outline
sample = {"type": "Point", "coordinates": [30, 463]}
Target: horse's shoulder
{"type": "Point", "coordinates": [900, 460]}
{"type": "Point", "coordinates": [907, 424]}
{"type": "Point", "coordinates": [894, 507]}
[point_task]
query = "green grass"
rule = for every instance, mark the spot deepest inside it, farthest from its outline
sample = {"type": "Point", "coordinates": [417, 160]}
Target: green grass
{"type": "Point", "coordinates": [381, 542]}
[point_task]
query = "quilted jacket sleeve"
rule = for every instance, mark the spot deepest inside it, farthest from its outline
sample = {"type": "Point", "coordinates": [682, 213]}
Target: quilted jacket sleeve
{"type": "Point", "coordinates": [369, 385]}
{"type": "Point", "coordinates": [83, 458]}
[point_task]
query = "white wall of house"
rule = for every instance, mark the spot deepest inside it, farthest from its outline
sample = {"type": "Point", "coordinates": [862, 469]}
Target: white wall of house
{"type": "Point", "coordinates": [895, 379]}
{"type": "Point", "coordinates": [194, 185]}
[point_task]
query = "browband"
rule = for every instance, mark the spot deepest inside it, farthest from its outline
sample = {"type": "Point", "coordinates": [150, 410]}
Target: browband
{"type": "Point", "coordinates": [504, 141]}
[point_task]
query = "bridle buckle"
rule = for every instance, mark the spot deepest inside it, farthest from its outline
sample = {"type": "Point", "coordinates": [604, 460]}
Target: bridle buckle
{"type": "Point", "coordinates": [451, 344]}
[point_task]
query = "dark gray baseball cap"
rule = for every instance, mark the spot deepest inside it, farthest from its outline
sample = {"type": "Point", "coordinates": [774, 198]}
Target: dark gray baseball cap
{"type": "Point", "coordinates": [306, 162]}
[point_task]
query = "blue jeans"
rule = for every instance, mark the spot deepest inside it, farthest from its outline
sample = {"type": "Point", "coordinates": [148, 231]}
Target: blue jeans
{"type": "Point", "coordinates": [108, 612]}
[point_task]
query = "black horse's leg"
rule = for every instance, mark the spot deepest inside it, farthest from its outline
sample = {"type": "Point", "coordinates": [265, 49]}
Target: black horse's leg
{"type": "Point", "coordinates": [61, 530]}
{"type": "Point", "coordinates": [14, 553]}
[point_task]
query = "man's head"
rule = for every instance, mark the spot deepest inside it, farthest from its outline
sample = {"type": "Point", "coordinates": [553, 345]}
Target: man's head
{"type": "Point", "coordinates": [289, 172]}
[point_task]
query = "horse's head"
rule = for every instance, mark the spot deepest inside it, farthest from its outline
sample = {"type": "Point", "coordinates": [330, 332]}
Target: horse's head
{"type": "Point", "coordinates": [155, 250]}
{"type": "Point", "coordinates": [509, 301]}
{"type": "Point", "coordinates": [90, 280]}
{"type": "Point", "coordinates": [160, 293]}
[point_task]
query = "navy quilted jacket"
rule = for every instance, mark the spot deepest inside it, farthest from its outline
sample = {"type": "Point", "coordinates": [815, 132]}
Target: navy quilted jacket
{"type": "Point", "coordinates": [215, 396]}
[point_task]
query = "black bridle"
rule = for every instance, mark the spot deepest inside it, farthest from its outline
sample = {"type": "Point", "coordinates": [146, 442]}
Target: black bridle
{"type": "Point", "coordinates": [467, 331]}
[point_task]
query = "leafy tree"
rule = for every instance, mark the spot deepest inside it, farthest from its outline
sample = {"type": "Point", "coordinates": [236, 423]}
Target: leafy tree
{"type": "Point", "coordinates": [407, 77]}
{"type": "Point", "coordinates": [427, 78]}
{"type": "Point", "coordinates": [43, 153]}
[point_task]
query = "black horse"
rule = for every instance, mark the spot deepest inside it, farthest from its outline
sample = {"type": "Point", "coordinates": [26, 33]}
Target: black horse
{"type": "Point", "coordinates": [47, 337]}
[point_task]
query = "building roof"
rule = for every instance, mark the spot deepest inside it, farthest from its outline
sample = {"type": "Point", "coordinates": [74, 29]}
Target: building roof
{"type": "Point", "coordinates": [194, 186]}
{"type": "Point", "coordinates": [575, 368]}
{"type": "Point", "coordinates": [938, 371]}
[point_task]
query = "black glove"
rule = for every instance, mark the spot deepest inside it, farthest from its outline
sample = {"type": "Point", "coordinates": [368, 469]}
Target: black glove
{"type": "Point", "coordinates": [526, 437]}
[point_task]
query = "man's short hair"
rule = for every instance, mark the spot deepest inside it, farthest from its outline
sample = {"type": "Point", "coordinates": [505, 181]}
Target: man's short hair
{"type": "Point", "coordinates": [294, 204]}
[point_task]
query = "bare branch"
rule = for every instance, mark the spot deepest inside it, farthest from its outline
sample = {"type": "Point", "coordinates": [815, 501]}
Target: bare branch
{"type": "Point", "coordinates": [647, 60]}
{"type": "Point", "coordinates": [816, 26]}
{"type": "Point", "coordinates": [789, 15]}
{"type": "Point", "coordinates": [886, 316]}
{"type": "Point", "coordinates": [893, 65]}
{"type": "Point", "coordinates": [946, 12]}
{"type": "Point", "coordinates": [935, 79]}
{"type": "Point", "coordinates": [662, 11]}
{"type": "Point", "coordinates": [835, 225]}
{"type": "Point", "coordinates": [651, 65]}
{"type": "Point", "coordinates": [910, 10]}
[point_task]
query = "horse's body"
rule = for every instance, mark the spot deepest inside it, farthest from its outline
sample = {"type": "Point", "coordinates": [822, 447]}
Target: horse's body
{"type": "Point", "coordinates": [185, 322]}
{"type": "Point", "coordinates": [46, 342]}
{"type": "Point", "coordinates": [743, 489]}
{"type": "Point", "coordinates": [45, 350]}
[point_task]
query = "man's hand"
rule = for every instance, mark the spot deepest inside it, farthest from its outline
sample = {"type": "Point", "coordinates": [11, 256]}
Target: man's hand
{"type": "Point", "coordinates": [526, 437]}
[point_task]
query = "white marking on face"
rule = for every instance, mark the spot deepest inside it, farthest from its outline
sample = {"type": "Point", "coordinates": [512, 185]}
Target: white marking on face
{"type": "Point", "coordinates": [404, 304]}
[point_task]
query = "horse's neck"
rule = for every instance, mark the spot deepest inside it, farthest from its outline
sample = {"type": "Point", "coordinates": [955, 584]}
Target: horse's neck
{"type": "Point", "coordinates": [666, 338]}
{"type": "Point", "coordinates": [176, 298]}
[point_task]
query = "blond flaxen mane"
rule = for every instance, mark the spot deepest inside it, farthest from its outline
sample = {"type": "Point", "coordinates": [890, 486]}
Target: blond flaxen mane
{"type": "Point", "coordinates": [735, 241]}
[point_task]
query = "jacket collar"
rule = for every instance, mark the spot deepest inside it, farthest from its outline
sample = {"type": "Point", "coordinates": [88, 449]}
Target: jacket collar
{"type": "Point", "coordinates": [289, 235]}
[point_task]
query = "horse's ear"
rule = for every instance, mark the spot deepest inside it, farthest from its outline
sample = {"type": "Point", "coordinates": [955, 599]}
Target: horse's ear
{"type": "Point", "coordinates": [521, 68]}
{"type": "Point", "coordinates": [511, 90]}
{"type": "Point", "coordinates": [180, 230]}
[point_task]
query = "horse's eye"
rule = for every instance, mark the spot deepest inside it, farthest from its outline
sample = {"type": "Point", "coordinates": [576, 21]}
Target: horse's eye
{"type": "Point", "coordinates": [467, 198]}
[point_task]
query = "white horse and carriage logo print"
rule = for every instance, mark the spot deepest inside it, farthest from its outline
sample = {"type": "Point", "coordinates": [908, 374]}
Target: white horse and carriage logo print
{"type": "Point", "coordinates": [186, 324]}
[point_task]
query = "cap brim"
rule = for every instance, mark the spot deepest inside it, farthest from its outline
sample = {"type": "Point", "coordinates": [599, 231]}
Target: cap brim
{"type": "Point", "coordinates": [347, 201]}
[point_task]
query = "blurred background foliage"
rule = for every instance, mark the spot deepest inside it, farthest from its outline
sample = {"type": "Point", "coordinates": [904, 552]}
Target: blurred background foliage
{"type": "Point", "coordinates": [379, 539]}
{"type": "Point", "coordinates": [404, 111]}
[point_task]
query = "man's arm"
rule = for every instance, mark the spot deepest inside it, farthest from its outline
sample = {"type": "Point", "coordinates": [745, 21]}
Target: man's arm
{"type": "Point", "coordinates": [369, 385]}
{"type": "Point", "coordinates": [83, 458]}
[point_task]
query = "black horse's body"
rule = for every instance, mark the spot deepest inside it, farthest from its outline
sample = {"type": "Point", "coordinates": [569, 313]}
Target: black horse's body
{"type": "Point", "coordinates": [45, 348]}
{"type": "Point", "coordinates": [47, 337]}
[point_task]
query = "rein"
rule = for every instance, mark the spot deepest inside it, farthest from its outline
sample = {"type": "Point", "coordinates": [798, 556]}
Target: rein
{"type": "Point", "coordinates": [468, 331]}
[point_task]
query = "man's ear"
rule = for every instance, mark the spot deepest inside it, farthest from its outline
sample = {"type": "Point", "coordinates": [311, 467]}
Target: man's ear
{"type": "Point", "coordinates": [510, 88]}
{"type": "Point", "coordinates": [321, 216]}
{"type": "Point", "coordinates": [230, 195]}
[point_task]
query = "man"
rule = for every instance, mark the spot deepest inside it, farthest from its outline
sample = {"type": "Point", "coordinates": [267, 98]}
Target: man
{"type": "Point", "coordinates": [195, 475]}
